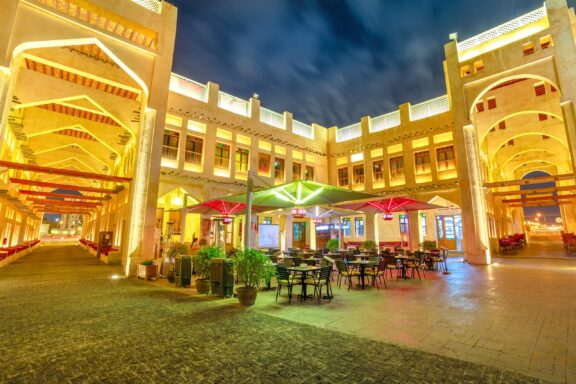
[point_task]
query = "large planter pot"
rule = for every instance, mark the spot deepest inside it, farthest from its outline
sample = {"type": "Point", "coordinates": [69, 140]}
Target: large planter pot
{"type": "Point", "coordinates": [147, 272]}
{"type": "Point", "coordinates": [203, 286]}
{"type": "Point", "coordinates": [246, 297]}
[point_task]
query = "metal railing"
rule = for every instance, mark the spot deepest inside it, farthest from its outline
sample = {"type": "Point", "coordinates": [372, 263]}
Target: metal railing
{"type": "Point", "coordinates": [429, 108]}
{"type": "Point", "coordinates": [169, 153]}
{"type": "Point", "coordinates": [348, 133]}
{"type": "Point", "coordinates": [153, 5]}
{"type": "Point", "coordinates": [188, 87]}
{"type": "Point", "coordinates": [193, 158]}
{"type": "Point", "coordinates": [383, 122]}
{"type": "Point", "coordinates": [272, 118]}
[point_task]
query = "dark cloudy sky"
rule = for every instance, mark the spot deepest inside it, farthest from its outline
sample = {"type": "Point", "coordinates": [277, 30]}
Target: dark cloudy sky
{"type": "Point", "coordinates": [329, 61]}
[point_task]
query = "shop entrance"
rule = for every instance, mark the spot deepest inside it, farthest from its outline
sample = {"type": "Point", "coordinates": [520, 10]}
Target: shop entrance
{"type": "Point", "coordinates": [449, 230]}
{"type": "Point", "coordinates": [299, 231]}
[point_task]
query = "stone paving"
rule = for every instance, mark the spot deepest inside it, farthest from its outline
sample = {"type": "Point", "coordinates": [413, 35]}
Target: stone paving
{"type": "Point", "coordinates": [64, 319]}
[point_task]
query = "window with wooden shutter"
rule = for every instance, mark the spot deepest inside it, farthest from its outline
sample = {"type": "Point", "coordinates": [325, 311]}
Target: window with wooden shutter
{"type": "Point", "coordinates": [491, 103]}
{"type": "Point", "coordinates": [528, 48]}
{"type": "Point", "coordinates": [502, 124]}
{"type": "Point", "coordinates": [542, 116]}
{"type": "Point", "coordinates": [546, 42]}
{"type": "Point", "coordinates": [422, 162]}
{"type": "Point", "coordinates": [343, 177]}
{"type": "Point", "coordinates": [358, 172]}
{"type": "Point", "coordinates": [540, 89]}
{"type": "Point", "coordinates": [480, 106]}
{"type": "Point", "coordinates": [397, 167]}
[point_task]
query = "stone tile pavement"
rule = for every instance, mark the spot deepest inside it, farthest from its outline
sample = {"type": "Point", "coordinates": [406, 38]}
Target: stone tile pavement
{"type": "Point", "coordinates": [64, 320]}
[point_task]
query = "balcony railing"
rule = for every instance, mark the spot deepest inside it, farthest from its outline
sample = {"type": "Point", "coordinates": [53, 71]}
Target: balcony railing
{"type": "Point", "coordinates": [272, 118]}
{"type": "Point", "coordinates": [383, 122]}
{"type": "Point", "coordinates": [193, 158]}
{"type": "Point", "coordinates": [169, 153]}
{"type": "Point", "coordinates": [153, 5]}
{"type": "Point", "coordinates": [348, 133]}
{"type": "Point", "coordinates": [429, 108]}
{"type": "Point", "coordinates": [503, 29]}
{"type": "Point", "coordinates": [302, 129]}
{"type": "Point", "coordinates": [233, 104]}
{"type": "Point", "coordinates": [188, 88]}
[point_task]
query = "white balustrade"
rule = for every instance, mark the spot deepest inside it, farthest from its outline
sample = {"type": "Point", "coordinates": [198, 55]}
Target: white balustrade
{"type": "Point", "coordinates": [272, 118]}
{"type": "Point", "coordinates": [153, 5]}
{"type": "Point", "coordinates": [302, 129]}
{"type": "Point", "coordinates": [348, 133]}
{"type": "Point", "coordinates": [429, 108]}
{"type": "Point", "coordinates": [189, 88]}
{"type": "Point", "coordinates": [233, 104]}
{"type": "Point", "coordinates": [383, 122]}
{"type": "Point", "coordinates": [503, 29]}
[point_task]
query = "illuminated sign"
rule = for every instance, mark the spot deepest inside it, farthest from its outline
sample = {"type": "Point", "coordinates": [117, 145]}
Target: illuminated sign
{"type": "Point", "coordinates": [227, 220]}
{"type": "Point", "coordinates": [387, 216]}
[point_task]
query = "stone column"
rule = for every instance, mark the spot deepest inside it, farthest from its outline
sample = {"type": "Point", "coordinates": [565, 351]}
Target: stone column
{"type": "Point", "coordinates": [288, 231]}
{"type": "Point", "coordinates": [370, 227]}
{"type": "Point", "coordinates": [143, 209]}
{"type": "Point", "coordinates": [478, 245]}
{"type": "Point", "coordinates": [413, 230]}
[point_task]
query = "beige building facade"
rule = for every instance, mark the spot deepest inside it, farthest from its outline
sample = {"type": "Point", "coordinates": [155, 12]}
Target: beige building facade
{"type": "Point", "coordinates": [89, 104]}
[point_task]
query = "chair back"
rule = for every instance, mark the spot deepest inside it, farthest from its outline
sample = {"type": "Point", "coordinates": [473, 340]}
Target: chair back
{"type": "Point", "coordinates": [297, 261]}
{"type": "Point", "coordinates": [282, 272]}
{"type": "Point", "coordinates": [325, 273]}
{"type": "Point", "coordinates": [341, 266]}
{"type": "Point", "coordinates": [390, 260]}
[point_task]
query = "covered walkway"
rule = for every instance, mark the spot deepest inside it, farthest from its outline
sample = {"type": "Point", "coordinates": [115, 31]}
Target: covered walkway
{"type": "Point", "coordinates": [63, 319]}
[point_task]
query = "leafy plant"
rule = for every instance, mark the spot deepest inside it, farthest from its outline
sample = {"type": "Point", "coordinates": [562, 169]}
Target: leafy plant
{"type": "Point", "coordinates": [428, 245]}
{"type": "Point", "coordinates": [369, 245]}
{"type": "Point", "coordinates": [269, 271]}
{"type": "Point", "coordinates": [250, 267]}
{"type": "Point", "coordinates": [147, 262]}
{"type": "Point", "coordinates": [333, 245]}
{"type": "Point", "coordinates": [178, 249]}
{"type": "Point", "coordinates": [203, 262]}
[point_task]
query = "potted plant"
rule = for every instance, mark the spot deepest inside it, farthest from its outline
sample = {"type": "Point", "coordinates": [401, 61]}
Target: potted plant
{"type": "Point", "coordinates": [428, 245]}
{"type": "Point", "coordinates": [203, 267]}
{"type": "Point", "coordinates": [369, 246]}
{"type": "Point", "coordinates": [250, 269]}
{"type": "Point", "coordinates": [147, 270]}
{"type": "Point", "coordinates": [269, 272]}
{"type": "Point", "coordinates": [175, 250]}
{"type": "Point", "coordinates": [333, 245]}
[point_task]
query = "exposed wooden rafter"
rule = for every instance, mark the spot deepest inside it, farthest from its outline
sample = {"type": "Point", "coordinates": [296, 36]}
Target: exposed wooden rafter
{"type": "Point", "coordinates": [540, 198]}
{"type": "Point", "coordinates": [63, 195]}
{"type": "Point", "coordinates": [63, 172]}
{"type": "Point", "coordinates": [536, 191]}
{"type": "Point", "coordinates": [64, 202]}
{"type": "Point", "coordinates": [532, 180]}
{"type": "Point", "coordinates": [44, 184]}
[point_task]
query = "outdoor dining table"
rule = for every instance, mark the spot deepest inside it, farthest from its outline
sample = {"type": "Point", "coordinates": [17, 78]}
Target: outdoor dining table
{"type": "Point", "coordinates": [362, 266]}
{"type": "Point", "coordinates": [303, 270]}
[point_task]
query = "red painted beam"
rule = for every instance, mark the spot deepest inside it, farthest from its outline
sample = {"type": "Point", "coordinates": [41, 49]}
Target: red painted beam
{"type": "Point", "coordinates": [63, 195]}
{"type": "Point", "coordinates": [63, 202]}
{"type": "Point", "coordinates": [64, 172]}
{"type": "Point", "coordinates": [63, 186]}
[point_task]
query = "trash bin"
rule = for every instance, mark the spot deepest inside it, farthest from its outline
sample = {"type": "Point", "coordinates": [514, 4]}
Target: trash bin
{"type": "Point", "coordinates": [183, 271]}
{"type": "Point", "coordinates": [222, 277]}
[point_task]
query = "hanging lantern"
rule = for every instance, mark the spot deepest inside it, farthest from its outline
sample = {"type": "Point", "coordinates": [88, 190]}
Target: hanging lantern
{"type": "Point", "coordinates": [388, 216]}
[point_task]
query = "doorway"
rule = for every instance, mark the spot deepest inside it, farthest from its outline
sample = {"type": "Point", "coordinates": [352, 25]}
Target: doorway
{"type": "Point", "coordinates": [449, 230]}
{"type": "Point", "coordinates": [299, 231]}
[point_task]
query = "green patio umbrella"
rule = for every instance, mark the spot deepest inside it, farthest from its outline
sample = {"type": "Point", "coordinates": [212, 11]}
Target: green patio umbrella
{"type": "Point", "coordinates": [301, 193]}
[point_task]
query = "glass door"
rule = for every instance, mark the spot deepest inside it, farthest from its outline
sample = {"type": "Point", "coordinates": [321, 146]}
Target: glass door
{"type": "Point", "coordinates": [446, 229]}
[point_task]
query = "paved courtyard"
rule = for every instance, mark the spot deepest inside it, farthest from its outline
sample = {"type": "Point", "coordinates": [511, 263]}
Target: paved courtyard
{"type": "Point", "coordinates": [64, 319]}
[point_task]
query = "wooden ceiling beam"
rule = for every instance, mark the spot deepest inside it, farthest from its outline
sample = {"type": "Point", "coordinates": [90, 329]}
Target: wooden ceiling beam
{"type": "Point", "coordinates": [63, 202]}
{"type": "Point", "coordinates": [63, 195]}
{"type": "Point", "coordinates": [64, 172]}
{"type": "Point", "coordinates": [539, 204]}
{"type": "Point", "coordinates": [536, 191]}
{"type": "Point", "coordinates": [540, 198]}
{"type": "Point", "coordinates": [532, 180]}
{"type": "Point", "coordinates": [44, 184]}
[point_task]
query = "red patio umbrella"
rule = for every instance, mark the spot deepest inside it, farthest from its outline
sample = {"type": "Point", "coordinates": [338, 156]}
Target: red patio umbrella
{"type": "Point", "coordinates": [391, 204]}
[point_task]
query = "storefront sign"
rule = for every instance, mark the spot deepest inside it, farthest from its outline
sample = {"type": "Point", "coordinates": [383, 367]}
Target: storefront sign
{"type": "Point", "coordinates": [298, 212]}
{"type": "Point", "coordinates": [387, 216]}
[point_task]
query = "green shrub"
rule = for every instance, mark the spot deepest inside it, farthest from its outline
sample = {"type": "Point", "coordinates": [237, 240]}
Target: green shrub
{"type": "Point", "coordinates": [203, 261]}
{"type": "Point", "coordinates": [333, 245]}
{"type": "Point", "coordinates": [369, 245]}
{"type": "Point", "coordinates": [147, 262]}
{"type": "Point", "coordinates": [250, 267]}
{"type": "Point", "coordinates": [428, 245]}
